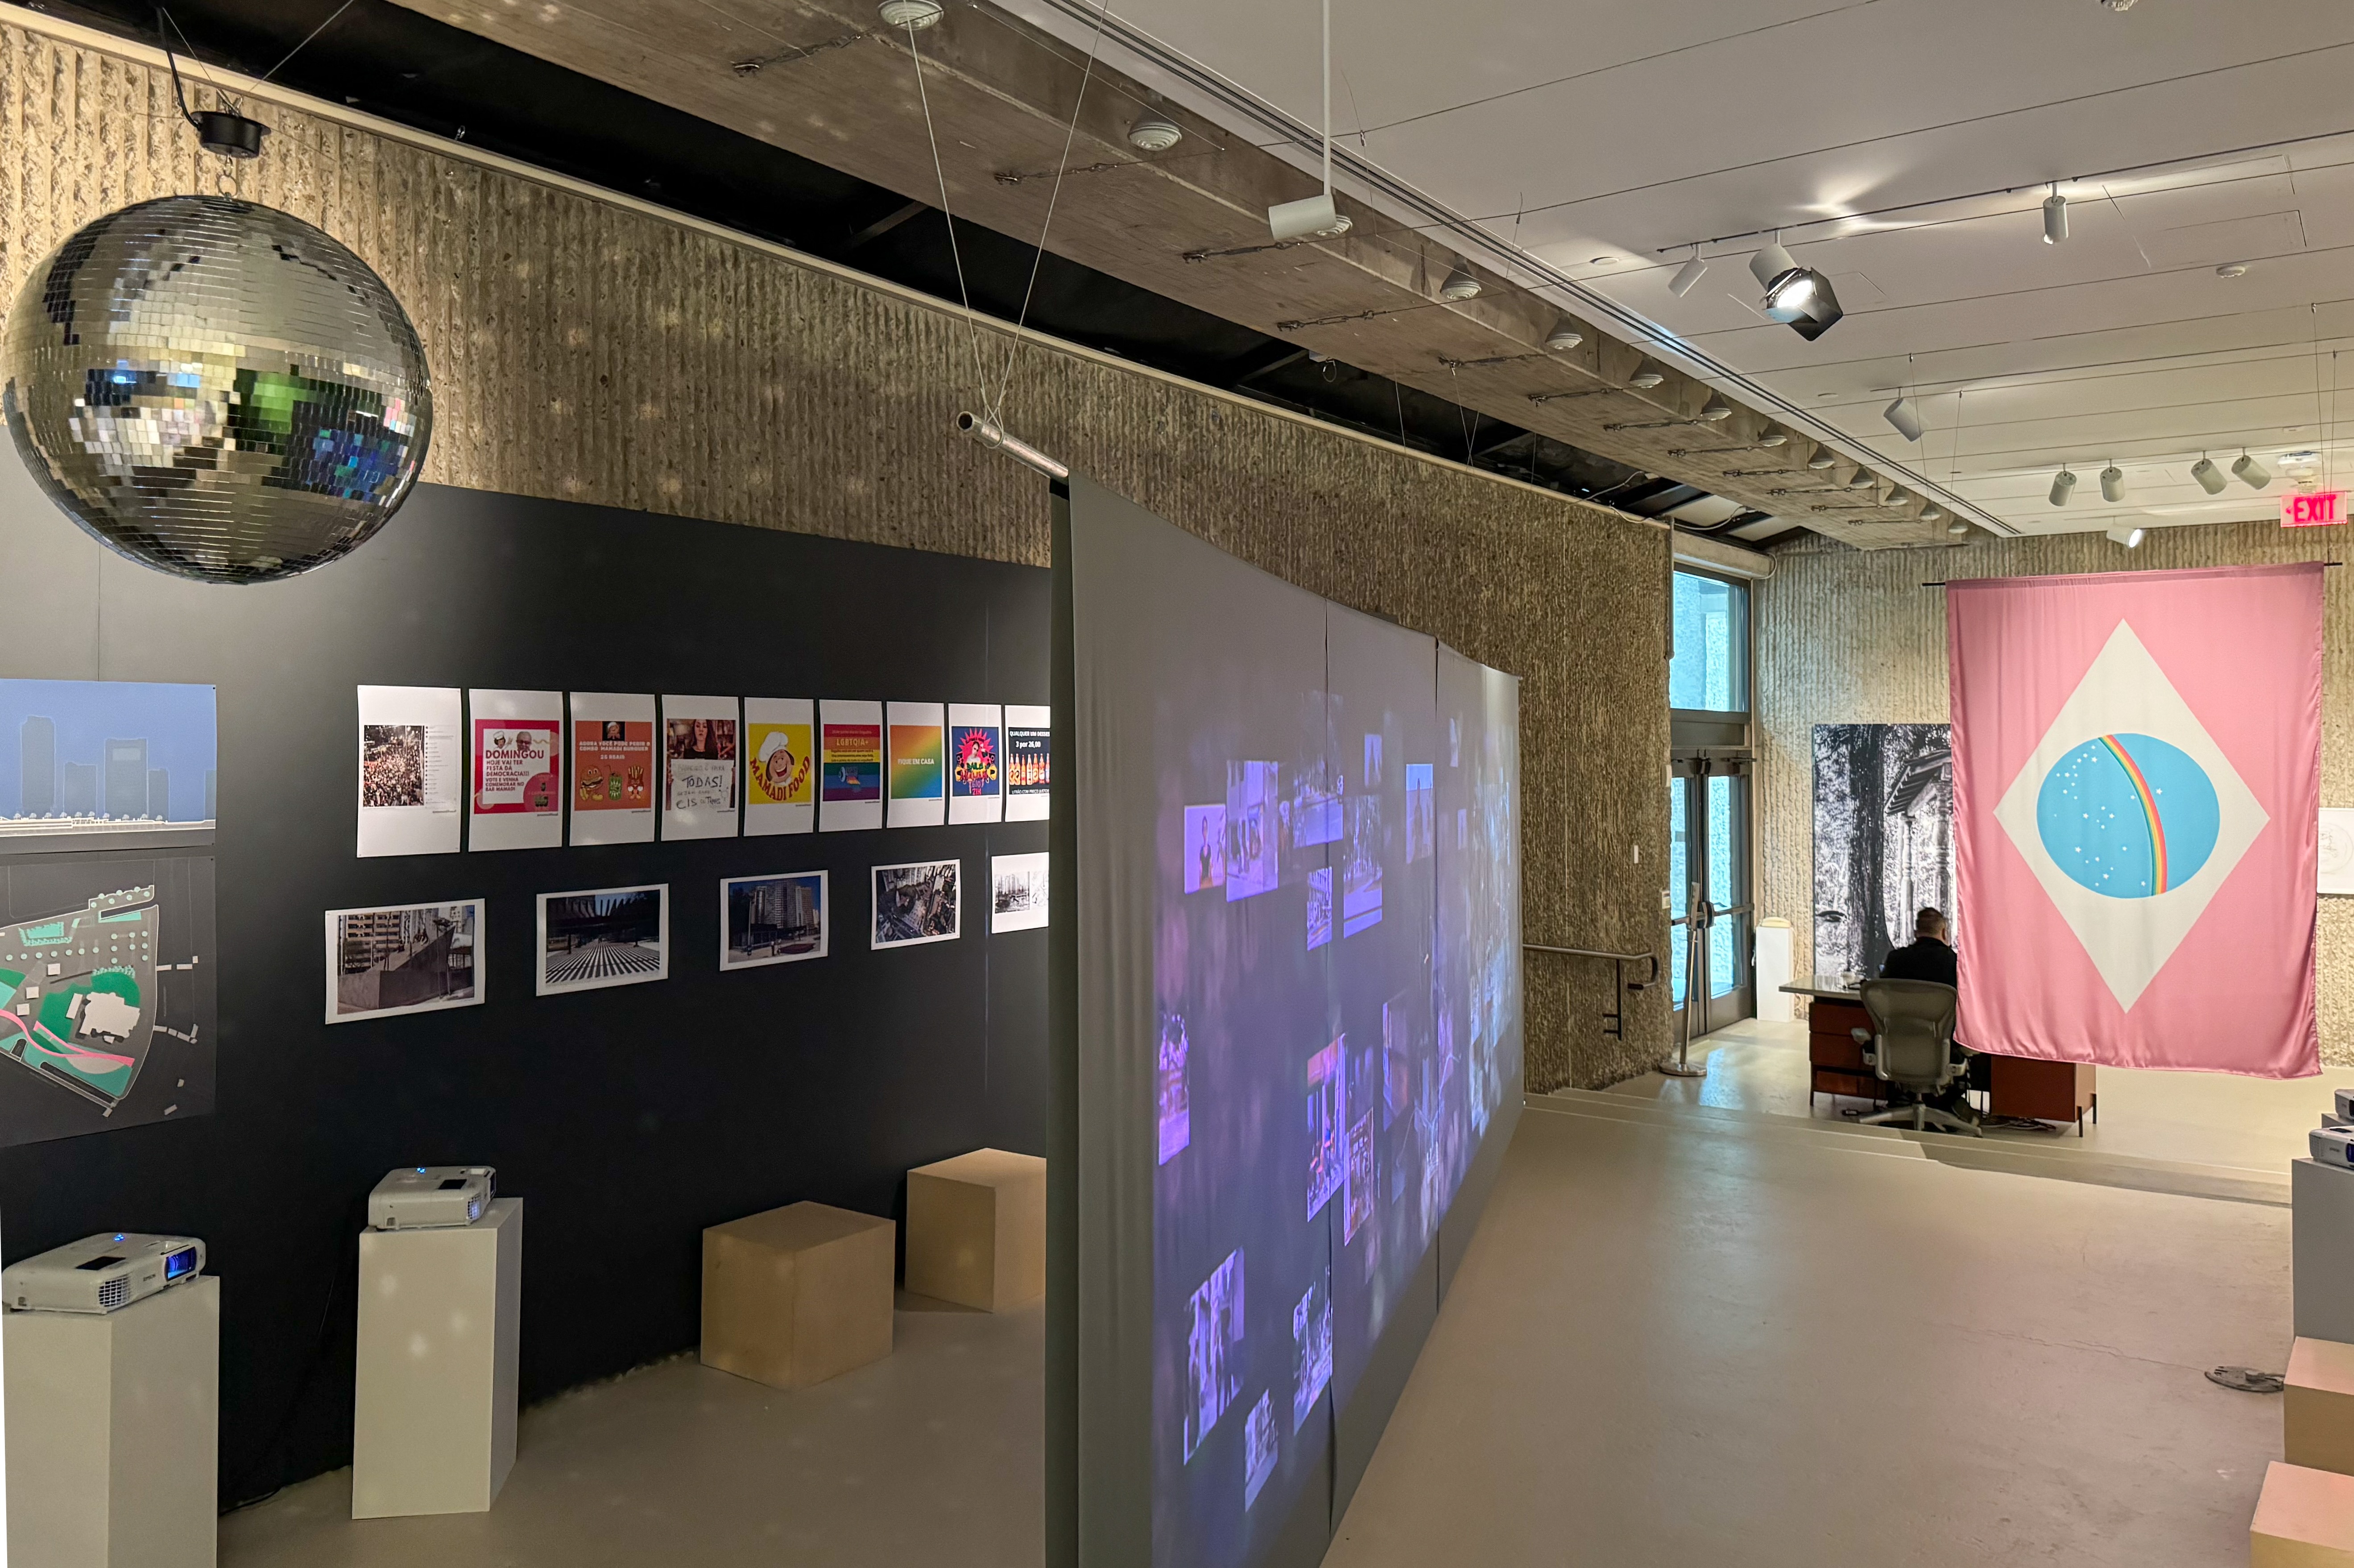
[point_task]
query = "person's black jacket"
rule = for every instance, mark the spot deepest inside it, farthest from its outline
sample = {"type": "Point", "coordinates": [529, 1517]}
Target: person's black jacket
{"type": "Point", "coordinates": [1927, 960]}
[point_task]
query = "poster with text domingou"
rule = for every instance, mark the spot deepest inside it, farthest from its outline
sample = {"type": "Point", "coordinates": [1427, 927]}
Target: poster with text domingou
{"type": "Point", "coordinates": [514, 770]}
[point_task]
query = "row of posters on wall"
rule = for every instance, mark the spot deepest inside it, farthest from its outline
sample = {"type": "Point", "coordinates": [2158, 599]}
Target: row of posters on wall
{"type": "Point", "coordinates": [422, 957]}
{"type": "Point", "coordinates": [539, 769]}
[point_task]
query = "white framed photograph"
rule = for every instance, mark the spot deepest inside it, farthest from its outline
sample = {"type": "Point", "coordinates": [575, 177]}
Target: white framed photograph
{"type": "Point", "coordinates": [780, 919]}
{"type": "Point", "coordinates": [921, 901]}
{"type": "Point", "coordinates": [404, 957]}
{"type": "Point", "coordinates": [603, 936]}
{"type": "Point", "coordinates": [1017, 893]}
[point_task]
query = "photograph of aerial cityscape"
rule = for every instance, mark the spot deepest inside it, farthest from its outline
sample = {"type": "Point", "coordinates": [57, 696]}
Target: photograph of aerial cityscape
{"type": "Point", "coordinates": [415, 958]}
{"type": "Point", "coordinates": [105, 764]}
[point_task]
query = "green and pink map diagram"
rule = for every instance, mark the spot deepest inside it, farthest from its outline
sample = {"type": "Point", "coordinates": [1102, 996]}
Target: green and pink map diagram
{"type": "Point", "coordinates": [78, 989]}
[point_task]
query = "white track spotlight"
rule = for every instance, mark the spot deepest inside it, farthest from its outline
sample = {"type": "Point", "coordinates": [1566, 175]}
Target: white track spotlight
{"type": "Point", "coordinates": [1717, 410]}
{"type": "Point", "coordinates": [1154, 134]}
{"type": "Point", "coordinates": [2113, 485]}
{"type": "Point", "coordinates": [2130, 538]}
{"type": "Point", "coordinates": [2061, 484]}
{"type": "Point", "coordinates": [2211, 478]}
{"type": "Point", "coordinates": [1646, 377]}
{"type": "Point", "coordinates": [1565, 337]}
{"type": "Point", "coordinates": [1775, 438]}
{"type": "Point", "coordinates": [1313, 215]}
{"type": "Point", "coordinates": [1687, 275]}
{"type": "Point", "coordinates": [2256, 474]}
{"type": "Point", "coordinates": [1460, 285]}
{"type": "Point", "coordinates": [2055, 217]}
{"type": "Point", "coordinates": [1905, 417]}
{"type": "Point", "coordinates": [1799, 297]}
{"type": "Point", "coordinates": [905, 14]}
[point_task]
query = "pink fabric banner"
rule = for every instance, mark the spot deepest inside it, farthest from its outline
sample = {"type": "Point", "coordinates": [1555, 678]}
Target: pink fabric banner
{"type": "Point", "coordinates": [2136, 800]}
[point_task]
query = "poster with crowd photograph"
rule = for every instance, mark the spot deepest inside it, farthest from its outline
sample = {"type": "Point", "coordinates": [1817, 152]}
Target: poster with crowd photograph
{"type": "Point", "coordinates": [918, 903]}
{"type": "Point", "coordinates": [850, 765]}
{"type": "Point", "coordinates": [1029, 752]}
{"type": "Point", "coordinates": [604, 937]}
{"type": "Point", "coordinates": [780, 766]}
{"type": "Point", "coordinates": [778, 919]}
{"type": "Point", "coordinates": [976, 762]}
{"type": "Point", "coordinates": [403, 958]}
{"type": "Point", "coordinates": [514, 770]}
{"type": "Point", "coordinates": [107, 1002]}
{"type": "Point", "coordinates": [412, 764]}
{"type": "Point", "coordinates": [1883, 838]}
{"type": "Point", "coordinates": [613, 768]}
{"type": "Point", "coordinates": [698, 767]}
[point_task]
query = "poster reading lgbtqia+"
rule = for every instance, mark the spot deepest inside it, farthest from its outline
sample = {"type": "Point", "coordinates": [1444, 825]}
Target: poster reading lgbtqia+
{"type": "Point", "coordinates": [850, 765]}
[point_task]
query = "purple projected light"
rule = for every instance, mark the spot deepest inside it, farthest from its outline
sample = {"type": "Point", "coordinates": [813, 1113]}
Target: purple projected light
{"type": "Point", "coordinates": [1213, 1350]}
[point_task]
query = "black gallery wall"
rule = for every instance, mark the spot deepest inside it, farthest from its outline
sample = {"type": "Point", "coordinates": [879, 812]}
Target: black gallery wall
{"type": "Point", "coordinates": [627, 1120]}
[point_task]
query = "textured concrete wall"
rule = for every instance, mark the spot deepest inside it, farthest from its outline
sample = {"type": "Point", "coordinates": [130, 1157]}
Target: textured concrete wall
{"type": "Point", "coordinates": [1851, 636]}
{"type": "Point", "coordinates": [587, 349]}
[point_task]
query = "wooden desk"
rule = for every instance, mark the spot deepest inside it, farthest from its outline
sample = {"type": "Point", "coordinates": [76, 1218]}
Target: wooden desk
{"type": "Point", "coordinates": [2018, 1086]}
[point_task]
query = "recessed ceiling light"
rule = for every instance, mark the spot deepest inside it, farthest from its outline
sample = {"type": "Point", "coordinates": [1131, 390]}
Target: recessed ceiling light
{"type": "Point", "coordinates": [910, 13]}
{"type": "Point", "coordinates": [2233, 269]}
{"type": "Point", "coordinates": [1604, 262]}
{"type": "Point", "coordinates": [1154, 134]}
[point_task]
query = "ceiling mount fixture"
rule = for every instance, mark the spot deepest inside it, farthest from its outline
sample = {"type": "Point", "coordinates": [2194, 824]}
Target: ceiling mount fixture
{"type": "Point", "coordinates": [1823, 459]}
{"type": "Point", "coordinates": [1799, 297]}
{"type": "Point", "coordinates": [1773, 438]}
{"type": "Point", "coordinates": [1905, 416]}
{"type": "Point", "coordinates": [2211, 478]}
{"type": "Point", "coordinates": [1861, 479]}
{"type": "Point", "coordinates": [222, 129]}
{"type": "Point", "coordinates": [1314, 216]}
{"type": "Point", "coordinates": [1565, 337]}
{"type": "Point", "coordinates": [1932, 511]}
{"type": "Point", "coordinates": [1154, 134]}
{"type": "Point", "coordinates": [2130, 538]}
{"type": "Point", "coordinates": [1716, 409]}
{"type": "Point", "coordinates": [1957, 528]}
{"type": "Point", "coordinates": [2113, 485]}
{"type": "Point", "coordinates": [2250, 472]}
{"type": "Point", "coordinates": [1460, 284]}
{"type": "Point", "coordinates": [2055, 217]}
{"type": "Point", "coordinates": [1646, 377]}
{"type": "Point", "coordinates": [1687, 275]}
{"type": "Point", "coordinates": [911, 15]}
{"type": "Point", "coordinates": [2233, 269]}
{"type": "Point", "coordinates": [2061, 484]}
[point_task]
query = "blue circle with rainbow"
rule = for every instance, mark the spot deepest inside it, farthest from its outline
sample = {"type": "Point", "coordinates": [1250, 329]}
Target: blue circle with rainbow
{"type": "Point", "coordinates": [2128, 815]}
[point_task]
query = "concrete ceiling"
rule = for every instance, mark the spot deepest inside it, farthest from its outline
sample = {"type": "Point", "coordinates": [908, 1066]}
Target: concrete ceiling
{"type": "Point", "coordinates": [1904, 148]}
{"type": "Point", "coordinates": [1005, 102]}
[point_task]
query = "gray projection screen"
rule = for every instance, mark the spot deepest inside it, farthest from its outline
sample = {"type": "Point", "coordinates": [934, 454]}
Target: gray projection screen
{"type": "Point", "coordinates": [1289, 1035]}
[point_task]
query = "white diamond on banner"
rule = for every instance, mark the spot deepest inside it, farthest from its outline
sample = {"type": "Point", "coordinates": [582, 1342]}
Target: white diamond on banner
{"type": "Point", "coordinates": [2125, 695]}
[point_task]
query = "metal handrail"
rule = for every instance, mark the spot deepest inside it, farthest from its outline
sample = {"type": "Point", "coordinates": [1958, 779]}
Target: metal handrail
{"type": "Point", "coordinates": [1614, 1022]}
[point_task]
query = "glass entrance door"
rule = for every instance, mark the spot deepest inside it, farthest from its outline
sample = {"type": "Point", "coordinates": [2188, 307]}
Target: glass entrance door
{"type": "Point", "coordinates": [1708, 893]}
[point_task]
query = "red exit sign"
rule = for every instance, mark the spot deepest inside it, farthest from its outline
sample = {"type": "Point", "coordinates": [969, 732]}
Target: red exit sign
{"type": "Point", "coordinates": [2315, 511]}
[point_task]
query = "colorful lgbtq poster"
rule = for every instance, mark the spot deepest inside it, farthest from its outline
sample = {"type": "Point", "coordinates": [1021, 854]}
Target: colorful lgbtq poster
{"type": "Point", "coordinates": [1029, 750]}
{"type": "Point", "coordinates": [515, 793]}
{"type": "Point", "coordinates": [918, 740]}
{"type": "Point", "coordinates": [780, 766]}
{"type": "Point", "coordinates": [850, 765]}
{"type": "Point", "coordinates": [2136, 790]}
{"type": "Point", "coordinates": [612, 767]}
{"type": "Point", "coordinates": [976, 762]}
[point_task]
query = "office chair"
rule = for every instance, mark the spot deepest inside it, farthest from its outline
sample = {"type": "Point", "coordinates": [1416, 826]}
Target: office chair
{"type": "Point", "coordinates": [1910, 1046]}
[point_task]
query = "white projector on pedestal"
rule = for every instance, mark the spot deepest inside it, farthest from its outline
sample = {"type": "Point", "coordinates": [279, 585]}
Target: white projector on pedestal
{"type": "Point", "coordinates": [102, 1273]}
{"type": "Point", "coordinates": [427, 1197]}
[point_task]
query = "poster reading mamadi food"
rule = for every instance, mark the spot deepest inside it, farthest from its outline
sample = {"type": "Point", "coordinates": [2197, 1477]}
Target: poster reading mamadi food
{"type": "Point", "coordinates": [850, 765]}
{"type": "Point", "coordinates": [1029, 733]}
{"type": "Point", "coordinates": [780, 766]}
{"type": "Point", "coordinates": [699, 768]}
{"type": "Point", "coordinates": [612, 767]}
{"type": "Point", "coordinates": [516, 798]}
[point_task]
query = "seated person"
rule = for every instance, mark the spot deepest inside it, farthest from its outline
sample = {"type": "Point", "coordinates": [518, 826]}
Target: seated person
{"type": "Point", "coordinates": [1928, 958]}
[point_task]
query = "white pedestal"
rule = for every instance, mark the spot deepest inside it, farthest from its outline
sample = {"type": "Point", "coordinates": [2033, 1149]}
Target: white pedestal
{"type": "Point", "coordinates": [433, 1418]}
{"type": "Point", "coordinates": [116, 1418]}
{"type": "Point", "coordinates": [1773, 972]}
{"type": "Point", "coordinates": [2321, 1251]}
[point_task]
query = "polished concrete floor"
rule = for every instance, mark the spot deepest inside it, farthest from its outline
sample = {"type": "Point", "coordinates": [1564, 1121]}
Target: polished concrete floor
{"type": "Point", "coordinates": [1682, 1339]}
{"type": "Point", "coordinates": [932, 1456]}
{"type": "Point", "coordinates": [2207, 1118]}
{"type": "Point", "coordinates": [1687, 1347]}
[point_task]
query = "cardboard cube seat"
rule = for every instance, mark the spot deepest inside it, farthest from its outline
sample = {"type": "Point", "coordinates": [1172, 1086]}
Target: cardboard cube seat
{"type": "Point", "coordinates": [797, 1294]}
{"type": "Point", "coordinates": [2317, 1414]}
{"type": "Point", "coordinates": [2305, 1519]}
{"type": "Point", "coordinates": [977, 1229]}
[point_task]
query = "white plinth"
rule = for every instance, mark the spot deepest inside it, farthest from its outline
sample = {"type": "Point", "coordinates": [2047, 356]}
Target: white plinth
{"type": "Point", "coordinates": [433, 1419]}
{"type": "Point", "coordinates": [2321, 1250]}
{"type": "Point", "coordinates": [116, 1418]}
{"type": "Point", "coordinates": [1773, 972]}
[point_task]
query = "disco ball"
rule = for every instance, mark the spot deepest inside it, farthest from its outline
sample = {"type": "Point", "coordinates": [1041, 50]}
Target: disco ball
{"type": "Point", "coordinates": [216, 390]}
